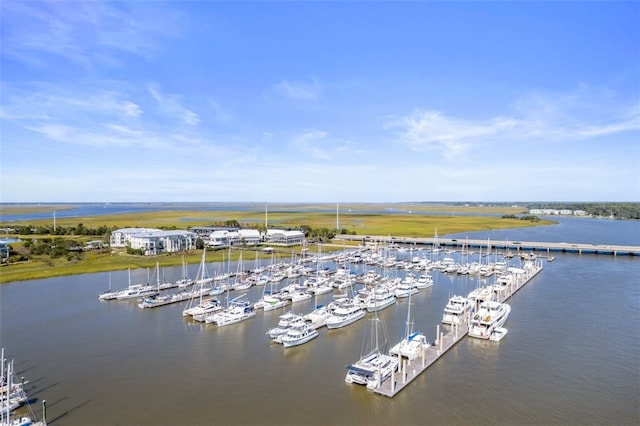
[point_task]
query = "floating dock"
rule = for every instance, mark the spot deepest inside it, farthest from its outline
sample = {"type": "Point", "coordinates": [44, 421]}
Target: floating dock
{"type": "Point", "coordinates": [409, 370]}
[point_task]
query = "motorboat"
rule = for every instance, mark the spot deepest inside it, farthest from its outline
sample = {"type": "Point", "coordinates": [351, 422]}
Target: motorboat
{"type": "Point", "coordinates": [237, 311]}
{"type": "Point", "coordinates": [346, 312]}
{"type": "Point", "coordinates": [299, 335]}
{"type": "Point", "coordinates": [379, 298]}
{"type": "Point", "coordinates": [411, 346]}
{"type": "Point", "coordinates": [456, 310]}
{"type": "Point", "coordinates": [424, 281]}
{"type": "Point", "coordinates": [406, 288]}
{"type": "Point", "coordinates": [490, 316]}
{"type": "Point", "coordinates": [498, 334]}
{"type": "Point", "coordinates": [286, 322]}
{"type": "Point", "coordinates": [137, 291]}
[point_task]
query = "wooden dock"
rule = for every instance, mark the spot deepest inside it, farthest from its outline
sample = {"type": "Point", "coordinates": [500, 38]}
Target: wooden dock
{"type": "Point", "coordinates": [410, 370]}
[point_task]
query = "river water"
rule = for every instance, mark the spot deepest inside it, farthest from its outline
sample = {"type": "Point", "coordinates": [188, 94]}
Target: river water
{"type": "Point", "coordinates": [571, 355]}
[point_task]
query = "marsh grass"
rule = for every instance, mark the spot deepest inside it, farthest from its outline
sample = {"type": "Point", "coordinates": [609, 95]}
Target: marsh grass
{"type": "Point", "coordinates": [403, 224]}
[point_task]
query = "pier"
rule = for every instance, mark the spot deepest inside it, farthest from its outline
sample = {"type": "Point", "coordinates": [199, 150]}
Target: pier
{"type": "Point", "coordinates": [410, 370]}
{"type": "Point", "coordinates": [520, 247]}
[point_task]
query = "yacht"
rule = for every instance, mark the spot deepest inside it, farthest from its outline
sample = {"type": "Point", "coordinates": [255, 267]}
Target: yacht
{"type": "Point", "coordinates": [379, 298]}
{"type": "Point", "coordinates": [456, 310]}
{"type": "Point", "coordinates": [490, 316]}
{"type": "Point", "coordinates": [236, 311]}
{"type": "Point", "coordinates": [424, 281]}
{"type": "Point", "coordinates": [318, 317]}
{"type": "Point", "coordinates": [272, 301]}
{"type": "Point", "coordinates": [299, 335]}
{"type": "Point", "coordinates": [205, 307]}
{"type": "Point", "coordinates": [406, 288]}
{"type": "Point", "coordinates": [287, 321]}
{"type": "Point", "coordinates": [411, 346]}
{"type": "Point", "coordinates": [346, 312]}
{"type": "Point", "coordinates": [137, 291]}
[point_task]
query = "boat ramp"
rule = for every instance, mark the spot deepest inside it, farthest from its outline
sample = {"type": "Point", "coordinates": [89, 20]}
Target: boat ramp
{"type": "Point", "coordinates": [410, 370]}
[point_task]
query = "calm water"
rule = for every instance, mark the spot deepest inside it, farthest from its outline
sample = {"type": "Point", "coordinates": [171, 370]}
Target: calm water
{"type": "Point", "coordinates": [571, 355]}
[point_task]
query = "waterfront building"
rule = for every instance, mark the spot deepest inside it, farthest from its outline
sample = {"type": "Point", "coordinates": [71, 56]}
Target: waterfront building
{"type": "Point", "coordinates": [154, 241]}
{"type": "Point", "coordinates": [284, 238]}
{"type": "Point", "coordinates": [4, 250]}
{"type": "Point", "coordinates": [223, 238]}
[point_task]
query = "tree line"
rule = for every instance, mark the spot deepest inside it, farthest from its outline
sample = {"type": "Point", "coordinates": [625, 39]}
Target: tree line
{"type": "Point", "coordinates": [617, 210]}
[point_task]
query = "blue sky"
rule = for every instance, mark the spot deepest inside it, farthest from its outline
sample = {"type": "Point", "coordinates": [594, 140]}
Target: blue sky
{"type": "Point", "coordinates": [319, 101]}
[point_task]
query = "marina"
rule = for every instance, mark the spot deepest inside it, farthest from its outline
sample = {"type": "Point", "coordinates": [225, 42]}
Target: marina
{"type": "Point", "coordinates": [105, 354]}
{"type": "Point", "coordinates": [412, 369]}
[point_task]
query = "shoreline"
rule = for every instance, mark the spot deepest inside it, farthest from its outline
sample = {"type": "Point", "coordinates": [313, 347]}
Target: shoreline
{"type": "Point", "coordinates": [395, 223]}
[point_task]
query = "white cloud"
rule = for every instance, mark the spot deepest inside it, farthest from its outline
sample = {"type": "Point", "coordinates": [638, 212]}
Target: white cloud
{"type": "Point", "coordinates": [51, 102]}
{"type": "Point", "coordinates": [172, 106]}
{"type": "Point", "coordinates": [298, 90]}
{"type": "Point", "coordinates": [431, 130]}
{"type": "Point", "coordinates": [583, 115]}
{"type": "Point", "coordinates": [308, 141]}
{"type": "Point", "coordinates": [85, 33]}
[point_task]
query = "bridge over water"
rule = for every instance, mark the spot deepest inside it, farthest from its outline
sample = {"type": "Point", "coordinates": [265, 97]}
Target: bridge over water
{"type": "Point", "coordinates": [517, 246]}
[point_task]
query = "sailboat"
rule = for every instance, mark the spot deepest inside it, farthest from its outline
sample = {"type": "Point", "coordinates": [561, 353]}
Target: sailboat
{"type": "Point", "coordinates": [375, 365]}
{"type": "Point", "coordinates": [198, 306]}
{"type": "Point", "coordinates": [413, 342]}
{"type": "Point", "coordinates": [436, 245]}
{"type": "Point", "coordinates": [185, 281]}
{"type": "Point", "coordinates": [12, 397]}
{"type": "Point", "coordinates": [109, 294]}
{"type": "Point", "coordinates": [241, 282]}
{"type": "Point", "coordinates": [136, 291]}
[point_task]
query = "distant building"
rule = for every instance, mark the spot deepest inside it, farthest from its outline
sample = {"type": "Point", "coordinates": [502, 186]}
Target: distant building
{"type": "Point", "coordinates": [154, 241]}
{"type": "Point", "coordinates": [5, 249]}
{"type": "Point", "coordinates": [284, 238]}
{"type": "Point", "coordinates": [120, 237]}
{"type": "Point", "coordinates": [206, 231]}
{"type": "Point", "coordinates": [223, 238]}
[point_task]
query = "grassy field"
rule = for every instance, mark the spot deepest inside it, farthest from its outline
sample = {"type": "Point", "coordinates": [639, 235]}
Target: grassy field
{"type": "Point", "coordinates": [403, 221]}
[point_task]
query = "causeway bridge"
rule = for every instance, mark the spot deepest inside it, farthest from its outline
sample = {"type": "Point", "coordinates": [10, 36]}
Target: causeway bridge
{"type": "Point", "coordinates": [515, 246]}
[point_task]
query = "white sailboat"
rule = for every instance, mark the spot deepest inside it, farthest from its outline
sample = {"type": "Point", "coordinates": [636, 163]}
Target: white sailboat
{"type": "Point", "coordinates": [136, 291]}
{"type": "Point", "coordinates": [12, 397]}
{"type": "Point", "coordinates": [413, 343]}
{"type": "Point", "coordinates": [375, 365]}
{"type": "Point", "coordinates": [198, 306]}
{"type": "Point", "coordinates": [109, 294]}
{"type": "Point", "coordinates": [185, 281]}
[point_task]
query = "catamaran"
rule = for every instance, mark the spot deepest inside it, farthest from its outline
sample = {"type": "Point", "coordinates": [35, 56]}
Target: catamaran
{"type": "Point", "coordinates": [376, 365]}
